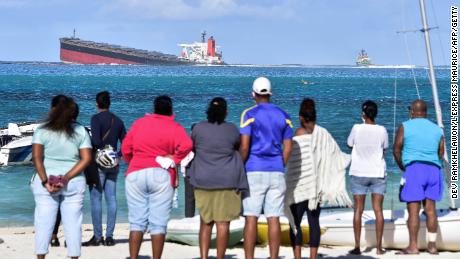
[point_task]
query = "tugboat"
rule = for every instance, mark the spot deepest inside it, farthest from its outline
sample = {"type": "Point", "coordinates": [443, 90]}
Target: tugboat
{"type": "Point", "coordinates": [363, 59]}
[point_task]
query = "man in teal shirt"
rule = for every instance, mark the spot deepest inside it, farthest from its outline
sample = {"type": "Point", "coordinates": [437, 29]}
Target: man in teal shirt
{"type": "Point", "coordinates": [418, 151]}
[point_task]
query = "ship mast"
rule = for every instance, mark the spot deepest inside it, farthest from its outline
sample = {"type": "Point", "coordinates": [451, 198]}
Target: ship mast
{"type": "Point", "coordinates": [434, 88]}
{"type": "Point", "coordinates": [203, 37]}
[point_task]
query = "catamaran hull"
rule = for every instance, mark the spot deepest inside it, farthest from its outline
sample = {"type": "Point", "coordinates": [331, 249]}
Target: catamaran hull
{"type": "Point", "coordinates": [16, 152]}
{"type": "Point", "coordinates": [186, 231]}
{"type": "Point", "coordinates": [339, 230]}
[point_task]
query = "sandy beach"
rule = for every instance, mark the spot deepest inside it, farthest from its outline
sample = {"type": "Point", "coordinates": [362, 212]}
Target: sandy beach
{"type": "Point", "coordinates": [18, 243]}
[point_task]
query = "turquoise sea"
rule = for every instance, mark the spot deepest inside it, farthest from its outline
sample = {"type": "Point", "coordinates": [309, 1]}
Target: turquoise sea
{"type": "Point", "coordinates": [26, 90]}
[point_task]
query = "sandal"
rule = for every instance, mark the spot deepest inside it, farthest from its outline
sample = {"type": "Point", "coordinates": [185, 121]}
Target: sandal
{"type": "Point", "coordinates": [431, 249]}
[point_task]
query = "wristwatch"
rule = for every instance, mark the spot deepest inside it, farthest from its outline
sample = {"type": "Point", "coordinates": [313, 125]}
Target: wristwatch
{"type": "Point", "coordinates": [44, 182]}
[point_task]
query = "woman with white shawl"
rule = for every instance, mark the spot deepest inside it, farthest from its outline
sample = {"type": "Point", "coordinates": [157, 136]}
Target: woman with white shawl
{"type": "Point", "coordinates": [315, 176]}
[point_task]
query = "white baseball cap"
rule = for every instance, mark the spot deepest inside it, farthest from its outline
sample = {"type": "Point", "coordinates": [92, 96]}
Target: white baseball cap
{"type": "Point", "coordinates": [262, 86]}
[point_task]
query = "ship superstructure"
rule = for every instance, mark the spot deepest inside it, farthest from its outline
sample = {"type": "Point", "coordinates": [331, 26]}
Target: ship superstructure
{"type": "Point", "coordinates": [203, 52]}
{"type": "Point", "coordinates": [363, 59]}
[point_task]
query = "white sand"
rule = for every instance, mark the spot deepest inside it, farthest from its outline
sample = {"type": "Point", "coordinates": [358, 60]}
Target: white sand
{"type": "Point", "coordinates": [19, 243]}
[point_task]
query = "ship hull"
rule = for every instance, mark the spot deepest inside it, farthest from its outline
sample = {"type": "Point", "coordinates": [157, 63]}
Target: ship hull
{"type": "Point", "coordinates": [84, 52]}
{"type": "Point", "coordinates": [71, 56]}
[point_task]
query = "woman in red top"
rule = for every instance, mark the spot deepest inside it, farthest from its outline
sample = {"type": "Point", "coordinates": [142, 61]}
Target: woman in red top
{"type": "Point", "coordinates": [153, 139]}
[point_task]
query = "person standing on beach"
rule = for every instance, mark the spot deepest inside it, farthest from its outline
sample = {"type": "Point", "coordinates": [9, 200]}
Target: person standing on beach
{"type": "Point", "coordinates": [315, 176]}
{"type": "Point", "coordinates": [106, 129]}
{"type": "Point", "coordinates": [54, 238]}
{"type": "Point", "coordinates": [367, 171]}
{"type": "Point", "coordinates": [418, 151]}
{"type": "Point", "coordinates": [153, 147]}
{"type": "Point", "coordinates": [61, 149]}
{"type": "Point", "coordinates": [266, 133]}
{"type": "Point", "coordinates": [217, 175]}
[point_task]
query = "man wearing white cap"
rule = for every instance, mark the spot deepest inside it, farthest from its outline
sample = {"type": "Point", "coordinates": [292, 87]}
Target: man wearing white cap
{"type": "Point", "coordinates": [266, 133]}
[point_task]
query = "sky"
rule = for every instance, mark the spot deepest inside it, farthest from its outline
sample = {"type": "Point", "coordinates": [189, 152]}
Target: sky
{"type": "Point", "coordinates": [310, 32]}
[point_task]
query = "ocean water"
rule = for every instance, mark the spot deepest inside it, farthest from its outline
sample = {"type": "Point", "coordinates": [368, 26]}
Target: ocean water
{"type": "Point", "coordinates": [26, 90]}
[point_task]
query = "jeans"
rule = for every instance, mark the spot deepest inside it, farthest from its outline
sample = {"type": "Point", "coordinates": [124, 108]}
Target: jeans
{"type": "Point", "coordinates": [149, 195]}
{"type": "Point", "coordinates": [70, 201]}
{"type": "Point", "coordinates": [107, 184]}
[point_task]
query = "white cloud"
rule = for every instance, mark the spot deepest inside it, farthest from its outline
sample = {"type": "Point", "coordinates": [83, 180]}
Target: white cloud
{"type": "Point", "coordinates": [11, 3]}
{"type": "Point", "coordinates": [204, 9]}
{"type": "Point", "coordinates": [31, 3]}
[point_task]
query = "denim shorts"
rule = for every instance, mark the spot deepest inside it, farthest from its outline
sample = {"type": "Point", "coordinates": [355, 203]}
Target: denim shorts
{"type": "Point", "coordinates": [149, 195]}
{"type": "Point", "coordinates": [267, 191]}
{"type": "Point", "coordinates": [361, 185]}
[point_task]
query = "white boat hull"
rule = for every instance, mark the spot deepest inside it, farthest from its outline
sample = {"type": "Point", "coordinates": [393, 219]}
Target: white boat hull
{"type": "Point", "coordinates": [339, 230]}
{"type": "Point", "coordinates": [186, 231]}
{"type": "Point", "coordinates": [17, 151]}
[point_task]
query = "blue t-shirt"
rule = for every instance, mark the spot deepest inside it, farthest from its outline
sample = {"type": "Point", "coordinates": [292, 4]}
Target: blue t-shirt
{"type": "Point", "coordinates": [421, 141]}
{"type": "Point", "coordinates": [268, 126]}
{"type": "Point", "coordinates": [61, 152]}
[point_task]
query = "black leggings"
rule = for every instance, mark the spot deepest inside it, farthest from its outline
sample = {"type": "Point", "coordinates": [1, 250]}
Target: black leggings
{"type": "Point", "coordinates": [298, 210]}
{"type": "Point", "coordinates": [58, 222]}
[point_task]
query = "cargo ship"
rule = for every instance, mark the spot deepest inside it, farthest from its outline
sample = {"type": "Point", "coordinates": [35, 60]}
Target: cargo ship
{"type": "Point", "coordinates": [202, 52]}
{"type": "Point", "coordinates": [78, 51]}
{"type": "Point", "coordinates": [363, 59]}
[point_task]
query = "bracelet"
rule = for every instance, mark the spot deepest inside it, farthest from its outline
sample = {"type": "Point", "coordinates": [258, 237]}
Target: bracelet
{"type": "Point", "coordinates": [44, 182]}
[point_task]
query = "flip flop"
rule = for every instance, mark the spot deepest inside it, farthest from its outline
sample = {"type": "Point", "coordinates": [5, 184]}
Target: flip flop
{"type": "Point", "coordinates": [406, 252]}
{"type": "Point", "coordinates": [433, 251]}
{"type": "Point", "coordinates": [355, 251]}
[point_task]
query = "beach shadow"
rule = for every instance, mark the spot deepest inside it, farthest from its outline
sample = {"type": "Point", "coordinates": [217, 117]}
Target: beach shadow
{"type": "Point", "coordinates": [226, 257]}
{"type": "Point", "coordinates": [348, 256]}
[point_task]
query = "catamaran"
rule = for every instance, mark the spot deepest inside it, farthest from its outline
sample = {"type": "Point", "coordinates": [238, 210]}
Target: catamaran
{"type": "Point", "coordinates": [339, 226]}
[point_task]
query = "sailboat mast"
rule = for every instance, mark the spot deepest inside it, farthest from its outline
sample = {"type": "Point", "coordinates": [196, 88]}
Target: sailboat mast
{"type": "Point", "coordinates": [434, 87]}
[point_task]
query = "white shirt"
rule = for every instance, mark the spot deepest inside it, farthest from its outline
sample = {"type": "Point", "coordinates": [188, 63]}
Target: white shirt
{"type": "Point", "coordinates": [368, 142]}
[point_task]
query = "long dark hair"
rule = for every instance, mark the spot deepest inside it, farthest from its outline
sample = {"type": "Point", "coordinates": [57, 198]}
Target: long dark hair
{"type": "Point", "coordinates": [62, 115]}
{"type": "Point", "coordinates": [217, 110]}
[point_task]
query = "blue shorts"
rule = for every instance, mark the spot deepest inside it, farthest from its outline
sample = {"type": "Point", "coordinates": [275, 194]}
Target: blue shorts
{"type": "Point", "coordinates": [267, 191]}
{"type": "Point", "coordinates": [361, 185]}
{"type": "Point", "coordinates": [149, 195]}
{"type": "Point", "coordinates": [421, 181]}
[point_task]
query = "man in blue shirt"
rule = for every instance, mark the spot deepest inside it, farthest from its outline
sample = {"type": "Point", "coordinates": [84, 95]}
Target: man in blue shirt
{"type": "Point", "coordinates": [266, 133]}
{"type": "Point", "coordinates": [106, 129]}
{"type": "Point", "coordinates": [418, 151]}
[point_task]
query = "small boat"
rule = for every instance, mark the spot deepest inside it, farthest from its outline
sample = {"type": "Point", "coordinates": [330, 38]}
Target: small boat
{"type": "Point", "coordinates": [339, 229]}
{"type": "Point", "coordinates": [262, 231]}
{"type": "Point", "coordinates": [186, 231]}
{"type": "Point", "coordinates": [306, 82]}
{"type": "Point", "coordinates": [16, 143]}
